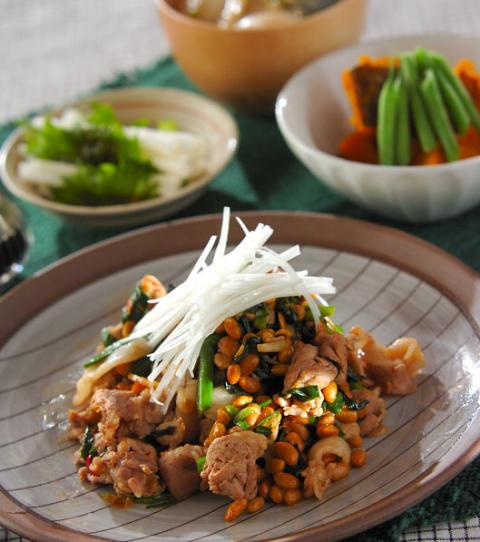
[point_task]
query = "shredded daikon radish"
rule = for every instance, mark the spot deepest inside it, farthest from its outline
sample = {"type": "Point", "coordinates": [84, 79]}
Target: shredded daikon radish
{"type": "Point", "coordinates": [233, 282]}
{"type": "Point", "coordinates": [175, 329]}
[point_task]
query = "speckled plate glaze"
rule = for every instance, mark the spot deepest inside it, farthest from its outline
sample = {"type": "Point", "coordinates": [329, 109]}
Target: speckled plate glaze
{"type": "Point", "coordinates": [390, 283]}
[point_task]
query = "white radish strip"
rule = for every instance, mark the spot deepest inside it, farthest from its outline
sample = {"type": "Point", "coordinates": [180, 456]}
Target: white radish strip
{"type": "Point", "coordinates": [203, 257]}
{"type": "Point", "coordinates": [222, 241]}
{"type": "Point", "coordinates": [233, 282]}
{"type": "Point", "coordinates": [45, 172]}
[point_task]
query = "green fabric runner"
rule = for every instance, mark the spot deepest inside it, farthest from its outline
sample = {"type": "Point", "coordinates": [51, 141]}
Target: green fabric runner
{"type": "Point", "coordinates": [265, 175]}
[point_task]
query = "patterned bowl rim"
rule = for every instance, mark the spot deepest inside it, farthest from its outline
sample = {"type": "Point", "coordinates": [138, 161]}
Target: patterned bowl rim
{"type": "Point", "coordinates": [454, 279]}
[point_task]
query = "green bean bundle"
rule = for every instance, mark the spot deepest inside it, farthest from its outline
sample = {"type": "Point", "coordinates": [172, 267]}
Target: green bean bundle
{"type": "Point", "coordinates": [423, 96]}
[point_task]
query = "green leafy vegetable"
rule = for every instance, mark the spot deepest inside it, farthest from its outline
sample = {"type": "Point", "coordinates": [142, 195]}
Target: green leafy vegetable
{"type": "Point", "coordinates": [284, 305]}
{"type": "Point", "coordinates": [111, 166]}
{"type": "Point", "coordinates": [88, 444]}
{"type": "Point", "coordinates": [263, 430]}
{"type": "Point", "coordinates": [354, 405]}
{"type": "Point", "coordinates": [354, 380]}
{"type": "Point", "coordinates": [107, 337]}
{"type": "Point", "coordinates": [356, 386]}
{"type": "Point", "coordinates": [245, 324]}
{"type": "Point", "coordinates": [337, 405]}
{"type": "Point", "coordinates": [306, 393]}
{"type": "Point", "coordinates": [137, 305]}
{"type": "Point", "coordinates": [97, 358]}
{"type": "Point", "coordinates": [108, 184]}
{"type": "Point", "coordinates": [142, 122]}
{"type": "Point", "coordinates": [249, 347]}
{"type": "Point", "coordinates": [260, 321]}
{"type": "Point", "coordinates": [102, 114]}
{"type": "Point", "coordinates": [142, 367]}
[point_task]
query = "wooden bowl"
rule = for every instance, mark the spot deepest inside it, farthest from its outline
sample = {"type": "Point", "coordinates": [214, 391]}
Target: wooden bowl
{"type": "Point", "coordinates": [248, 67]}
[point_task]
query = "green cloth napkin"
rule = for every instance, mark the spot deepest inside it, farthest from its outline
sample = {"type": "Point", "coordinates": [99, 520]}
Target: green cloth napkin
{"type": "Point", "coordinates": [265, 175]}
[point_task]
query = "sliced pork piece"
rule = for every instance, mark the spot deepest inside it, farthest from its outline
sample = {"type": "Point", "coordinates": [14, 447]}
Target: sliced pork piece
{"type": "Point", "coordinates": [391, 375]}
{"type": "Point", "coordinates": [230, 467]}
{"type": "Point", "coordinates": [131, 467]}
{"type": "Point", "coordinates": [333, 348]}
{"type": "Point", "coordinates": [178, 468]}
{"type": "Point", "coordinates": [125, 414]}
{"type": "Point", "coordinates": [374, 411]}
{"type": "Point", "coordinates": [393, 367]}
{"type": "Point", "coordinates": [308, 368]}
{"type": "Point", "coordinates": [186, 409]}
{"type": "Point", "coordinates": [170, 433]}
{"type": "Point", "coordinates": [316, 479]}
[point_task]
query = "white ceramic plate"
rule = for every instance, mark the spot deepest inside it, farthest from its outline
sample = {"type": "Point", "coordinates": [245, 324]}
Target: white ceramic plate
{"type": "Point", "coordinates": [193, 113]}
{"type": "Point", "coordinates": [388, 282]}
{"type": "Point", "coordinates": [313, 114]}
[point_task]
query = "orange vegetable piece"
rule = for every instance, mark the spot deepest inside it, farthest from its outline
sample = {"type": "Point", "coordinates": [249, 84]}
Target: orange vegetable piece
{"type": "Point", "coordinates": [359, 147]}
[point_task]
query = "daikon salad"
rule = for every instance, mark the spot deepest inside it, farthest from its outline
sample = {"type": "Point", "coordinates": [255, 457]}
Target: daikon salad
{"type": "Point", "coordinates": [92, 159]}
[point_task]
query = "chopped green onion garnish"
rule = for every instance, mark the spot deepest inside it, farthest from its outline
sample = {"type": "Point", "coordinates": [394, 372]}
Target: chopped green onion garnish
{"type": "Point", "coordinates": [243, 425]}
{"type": "Point", "coordinates": [327, 310]}
{"type": "Point", "coordinates": [201, 463]}
{"type": "Point", "coordinates": [231, 410]}
{"type": "Point", "coordinates": [97, 358]}
{"type": "Point", "coordinates": [205, 373]}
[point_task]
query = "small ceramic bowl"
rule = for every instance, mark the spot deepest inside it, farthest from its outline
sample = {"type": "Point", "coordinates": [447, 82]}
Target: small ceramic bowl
{"type": "Point", "coordinates": [313, 114]}
{"type": "Point", "coordinates": [248, 67]}
{"type": "Point", "coordinates": [191, 112]}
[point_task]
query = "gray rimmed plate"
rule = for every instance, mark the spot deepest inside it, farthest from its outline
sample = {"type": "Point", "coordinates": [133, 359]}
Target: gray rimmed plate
{"type": "Point", "coordinates": [388, 282]}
